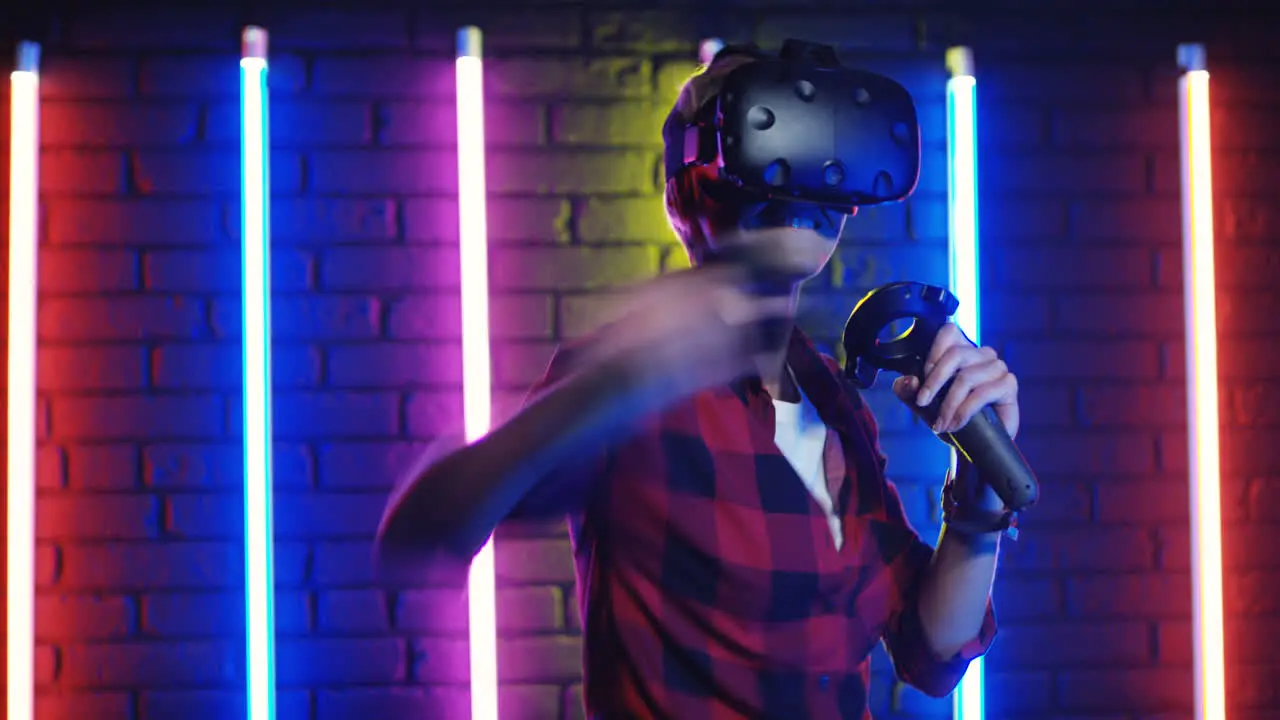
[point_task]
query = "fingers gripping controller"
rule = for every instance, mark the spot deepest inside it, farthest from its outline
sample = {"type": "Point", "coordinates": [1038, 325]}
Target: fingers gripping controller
{"type": "Point", "coordinates": [984, 440]}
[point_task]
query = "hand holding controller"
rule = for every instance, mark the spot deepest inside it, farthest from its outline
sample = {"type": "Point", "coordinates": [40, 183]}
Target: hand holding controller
{"type": "Point", "coordinates": [984, 440]}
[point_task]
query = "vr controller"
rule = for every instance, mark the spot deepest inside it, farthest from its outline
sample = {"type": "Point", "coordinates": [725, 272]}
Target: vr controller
{"type": "Point", "coordinates": [802, 130]}
{"type": "Point", "coordinates": [984, 440]}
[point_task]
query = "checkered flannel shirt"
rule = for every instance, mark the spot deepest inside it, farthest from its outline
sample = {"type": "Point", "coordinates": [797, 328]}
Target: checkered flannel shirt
{"type": "Point", "coordinates": [709, 584]}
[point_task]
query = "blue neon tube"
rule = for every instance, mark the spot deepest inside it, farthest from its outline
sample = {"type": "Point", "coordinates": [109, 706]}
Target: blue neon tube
{"type": "Point", "coordinates": [256, 307]}
{"type": "Point", "coordinates": [962, 233]}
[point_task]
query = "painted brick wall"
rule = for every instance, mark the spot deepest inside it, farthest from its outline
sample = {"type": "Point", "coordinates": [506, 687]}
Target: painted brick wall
{"type": "Point", "coordinates": [139, 514]}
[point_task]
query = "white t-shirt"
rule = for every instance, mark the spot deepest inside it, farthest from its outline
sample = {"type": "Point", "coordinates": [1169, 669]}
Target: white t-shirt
{"type": "Point", "coordinates": [802, 438]}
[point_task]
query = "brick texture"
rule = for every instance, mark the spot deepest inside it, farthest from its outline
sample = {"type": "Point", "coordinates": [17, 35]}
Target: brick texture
{"type": "Point", "coordinates": [140, 561]}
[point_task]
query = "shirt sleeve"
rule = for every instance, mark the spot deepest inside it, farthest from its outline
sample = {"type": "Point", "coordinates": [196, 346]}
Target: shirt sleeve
{"type": "Point", "coordinates": [917, 665]}
{"type": "Point", "coordinates": [563, 491]}
{"type": "Point", "coordinates": [908, 557]}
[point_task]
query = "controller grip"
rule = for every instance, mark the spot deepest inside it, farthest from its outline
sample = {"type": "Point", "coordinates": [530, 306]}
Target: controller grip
{"type": "Point", "coordinates": [987, 445]}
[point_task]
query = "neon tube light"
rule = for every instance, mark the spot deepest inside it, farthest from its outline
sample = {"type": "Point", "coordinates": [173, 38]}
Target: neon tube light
{"type": "Point", "coordinates": [256, 307]}
{"type": "Point", "coordinates": [473, 250]}
{"type": "Point", "coordinates": [708, 48]}
{"type": "Point", "coordinates": [962, 231]}
{"type": "Point", "coordinates": [1202, 383]}
{"type": "Point", "coordinates": [24, 188]}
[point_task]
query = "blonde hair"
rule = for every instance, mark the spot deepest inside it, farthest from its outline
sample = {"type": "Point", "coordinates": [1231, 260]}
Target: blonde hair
{"type": "Point", "coordinates": [686, 204]}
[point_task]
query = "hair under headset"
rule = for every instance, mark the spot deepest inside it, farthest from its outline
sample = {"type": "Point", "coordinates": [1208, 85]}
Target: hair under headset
{"type": "Point", "coordinates": [690, 211]}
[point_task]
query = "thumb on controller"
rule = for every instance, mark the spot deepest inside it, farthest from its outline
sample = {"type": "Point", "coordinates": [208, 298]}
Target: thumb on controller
{"type": "Point", "coordinates": [907, 387]}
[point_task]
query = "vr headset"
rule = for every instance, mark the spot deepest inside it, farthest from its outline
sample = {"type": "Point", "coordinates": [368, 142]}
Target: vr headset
{"type": "Point", "coordinates": [802, 137]}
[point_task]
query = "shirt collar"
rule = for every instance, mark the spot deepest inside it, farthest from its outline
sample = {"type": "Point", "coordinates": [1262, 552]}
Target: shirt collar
{"type": "Point", "coordinates": [818, 378]}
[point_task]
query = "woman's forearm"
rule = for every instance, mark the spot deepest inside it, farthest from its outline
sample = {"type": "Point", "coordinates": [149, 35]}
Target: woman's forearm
{"type": "Point", "coordinates": [956, 590]}
{"type": "Point", "coordinates": [452, 505]}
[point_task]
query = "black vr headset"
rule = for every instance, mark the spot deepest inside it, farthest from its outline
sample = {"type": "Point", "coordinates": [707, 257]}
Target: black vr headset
{"type": "Point", "coordinates": [803, 140]}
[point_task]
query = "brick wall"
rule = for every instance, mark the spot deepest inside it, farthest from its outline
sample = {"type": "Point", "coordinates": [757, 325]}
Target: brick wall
{"type": "Point", "coordinates": [139, 515]}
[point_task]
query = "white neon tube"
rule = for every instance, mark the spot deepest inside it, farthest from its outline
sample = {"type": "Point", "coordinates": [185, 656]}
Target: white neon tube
{"type": "Point", "coordinates": [962, 232]}
{"type": "Point", "coordinates": [473, 250]}
{"type": "Point", "coordinates": [256, 308]}
{"type": "Point", "coordinates": [24, 189]}
{"type": "Point", "coordinates": [1202, 383]}
{"type": "Point", "coordinates": [708, 48]}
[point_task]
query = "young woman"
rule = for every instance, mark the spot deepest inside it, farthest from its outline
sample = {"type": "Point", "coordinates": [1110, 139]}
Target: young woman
{"type": "Point", "coordinates": [739, 549]}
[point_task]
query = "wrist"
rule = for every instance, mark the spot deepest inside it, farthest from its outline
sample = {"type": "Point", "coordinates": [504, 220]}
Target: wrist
{"type": "Point", "coordinates": [987, 499]}
{"type": "Point", "coordinates": [970, 508]}
{"type": "Point", "coordinates": [978, 543]}
{"type": "Point", "coordinates": [973, 491]}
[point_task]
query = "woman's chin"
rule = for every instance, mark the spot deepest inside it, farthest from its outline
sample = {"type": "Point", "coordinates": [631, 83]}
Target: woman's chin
{"type": "Point", "coordinates": [796, 253]}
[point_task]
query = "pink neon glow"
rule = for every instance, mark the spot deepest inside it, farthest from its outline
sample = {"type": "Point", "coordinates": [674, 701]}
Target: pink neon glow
{"type": "Point", "coordinates": [1204, 444]}
{"type": "Point", "coordinates": [24, 151]}
{"type": "Point", "coordinates": [473, 241]}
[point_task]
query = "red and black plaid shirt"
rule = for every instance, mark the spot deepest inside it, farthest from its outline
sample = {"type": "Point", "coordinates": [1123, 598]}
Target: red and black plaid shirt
{"type": "Point", "coordinates": [709, 583]}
